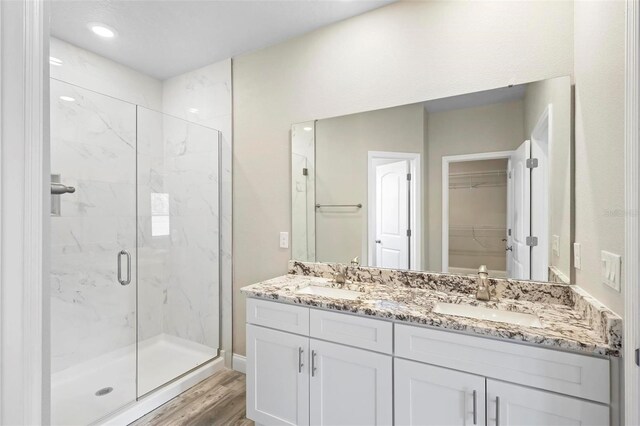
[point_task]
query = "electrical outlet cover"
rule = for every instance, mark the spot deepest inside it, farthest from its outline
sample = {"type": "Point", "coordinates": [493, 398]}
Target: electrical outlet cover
{"type": "Point", "coordinates": [611, 265]}
{"type": "Point", "coordinates": [284, 240]}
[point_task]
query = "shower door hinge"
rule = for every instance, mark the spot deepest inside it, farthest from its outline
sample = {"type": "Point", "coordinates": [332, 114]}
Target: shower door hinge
{"type": "Point", "coordinates": [532, 241]}
{"type": "Point", "coordinates": [408, 232]}
{"type": "Point", "coordinates": [532, 163]}
{"type": "Point", "coordinates": [305, 172]}
{"type": "Point", "coordinates": [409, 176]}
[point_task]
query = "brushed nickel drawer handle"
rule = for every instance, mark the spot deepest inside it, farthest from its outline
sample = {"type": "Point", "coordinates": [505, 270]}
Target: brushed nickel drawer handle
{"type": "Point", "coordinates": [313, 363]}
{"type": "Point", "coordinates": [300, 363]}
{"type": "Point", "coordinates": [475, 407]}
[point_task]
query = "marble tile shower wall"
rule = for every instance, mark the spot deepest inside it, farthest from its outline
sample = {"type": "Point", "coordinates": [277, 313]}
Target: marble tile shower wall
{"type": "Point", "coordinates": [93, 149]}
{"type": "Point", "coordinates": [204, 96]}
{"type": "Point", "coordinates": [178, 228]}
{"type": "Point", "coordinates": [91, 313]}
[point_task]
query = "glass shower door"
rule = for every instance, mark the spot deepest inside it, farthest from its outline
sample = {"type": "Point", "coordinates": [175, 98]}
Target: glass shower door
{"type": "Point", "coordinates": [178, 247]}
{"type": "Point", "coordinates": [93, 228]}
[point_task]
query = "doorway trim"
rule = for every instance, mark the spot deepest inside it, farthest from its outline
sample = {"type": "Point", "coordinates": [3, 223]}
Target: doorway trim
{"type": "Point", "coordinates": [24, 211]}
{"type": "Point", "coordinates": [632, 215]}
{"type": "Point", "coordinates": [416, 203]}
{"type": "Point", "coordinates": [446, 161]}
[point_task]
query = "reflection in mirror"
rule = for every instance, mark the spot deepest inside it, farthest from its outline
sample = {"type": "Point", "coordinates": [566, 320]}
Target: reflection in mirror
{"type": "Point", "coordinates": [442, 185]}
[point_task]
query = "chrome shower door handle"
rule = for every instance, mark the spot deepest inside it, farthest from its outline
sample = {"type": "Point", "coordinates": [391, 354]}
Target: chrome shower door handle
{"type": "Point", "coordinates": [120, 280]}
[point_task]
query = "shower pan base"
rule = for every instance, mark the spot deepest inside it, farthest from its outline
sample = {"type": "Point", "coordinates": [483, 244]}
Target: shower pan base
{"type": "Point", "coordinates": [80, 395]}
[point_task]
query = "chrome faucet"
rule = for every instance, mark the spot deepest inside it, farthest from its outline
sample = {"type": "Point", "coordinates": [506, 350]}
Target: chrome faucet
{"type": "Point", "coordinates": [483, 293]}
{"type": "Point", "coordinates": [341, 276]}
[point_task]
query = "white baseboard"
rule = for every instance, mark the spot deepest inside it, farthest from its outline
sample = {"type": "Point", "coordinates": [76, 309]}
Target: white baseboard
{"type": "Point", "coordinates": [240, 363]}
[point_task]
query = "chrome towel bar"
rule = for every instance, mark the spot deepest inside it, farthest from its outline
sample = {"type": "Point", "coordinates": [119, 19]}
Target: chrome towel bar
{"type": "Point", "coordinates": [339, 205]}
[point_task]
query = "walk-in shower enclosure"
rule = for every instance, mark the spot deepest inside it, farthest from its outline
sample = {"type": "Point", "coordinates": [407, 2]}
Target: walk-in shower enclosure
{"type": "Point", "coordinates": [134, 251]}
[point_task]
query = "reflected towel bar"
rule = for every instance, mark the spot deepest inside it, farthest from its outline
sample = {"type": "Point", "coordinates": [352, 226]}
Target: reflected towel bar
{"type": "Point", "coordinates": [339, 205]}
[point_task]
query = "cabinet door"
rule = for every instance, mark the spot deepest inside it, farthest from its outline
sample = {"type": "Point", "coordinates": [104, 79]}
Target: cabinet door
{"type": "Point", "coordinates": [428, 395]}
{"type": "Point", "coordinates": [510, 405]}
{"type": "Point", "coordinates": [277, 377]}
{"type": "Point", "coordinates": [350, 386]}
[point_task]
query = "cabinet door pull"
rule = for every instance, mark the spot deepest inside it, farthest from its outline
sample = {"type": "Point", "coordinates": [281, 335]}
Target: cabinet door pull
{"type": "Point", "coordinates": [497, 411]}
{"type": "Point", "coordinates": [300, 363]}
{"type": "Point", "coordinates": [313, 363]}
{"type": "Point", "coordinates": [475, 407]}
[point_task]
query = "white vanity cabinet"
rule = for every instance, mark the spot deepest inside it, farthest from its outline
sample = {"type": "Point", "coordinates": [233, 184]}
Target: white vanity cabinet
{"type": "Point", "coordinates": [350, 386]}
{"type": "Point", "coordinates": [295, 379]}
{"type": "Point", "coordinates": [510, 405]}
{"type": "Point", "coordinates": [277, 379]}
{"type": "Point", "coordinates": [429, 395]}
{"type": "Point", "coordinates": [319, 367]}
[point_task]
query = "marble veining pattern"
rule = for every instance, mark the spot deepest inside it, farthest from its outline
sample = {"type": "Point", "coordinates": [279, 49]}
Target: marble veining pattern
{"type": "Point", "coordinates": [204, 96]}
{"type": "Point", "coordinates": [570, 318]}
{"type": "Point", "coordinates": [91, 313]}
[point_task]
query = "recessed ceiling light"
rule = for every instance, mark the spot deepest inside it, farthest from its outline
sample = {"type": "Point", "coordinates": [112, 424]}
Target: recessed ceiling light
{"type": "Point", "coordinates": [102, 30]}
{"type": "Point", "coordinates": [308, 129]}
{"type": "Point", "coordinates": [67, 98]}
{"type": "Point", "coordinates": [55, 61]}
{"type": "Point", "coordinates": [194, 110]}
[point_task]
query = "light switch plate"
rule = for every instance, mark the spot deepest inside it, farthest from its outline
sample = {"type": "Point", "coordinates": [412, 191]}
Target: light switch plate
{"type": "Point", "coordinates": [555, 245]}
{"type": "Point", "coordinates": [284, 240]}
{"type": "Point", "coordinates": [577, 256]}
{"type": "Point", "coordinates": [611, 266]}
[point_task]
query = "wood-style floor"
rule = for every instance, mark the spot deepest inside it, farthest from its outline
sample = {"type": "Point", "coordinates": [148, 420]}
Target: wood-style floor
{"type": "Point", "coordinates": [218, 400]}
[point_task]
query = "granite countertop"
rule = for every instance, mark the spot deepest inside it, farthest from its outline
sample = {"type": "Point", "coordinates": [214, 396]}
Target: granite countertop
{"type": "Point", "coordinates": [571, 319]}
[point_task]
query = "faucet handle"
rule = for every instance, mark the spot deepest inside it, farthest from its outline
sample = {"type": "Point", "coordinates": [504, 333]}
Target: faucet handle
{"type": "Point", "coordinates": [355, 262]}
{"type": "Point", "coordinates": [483, 270]}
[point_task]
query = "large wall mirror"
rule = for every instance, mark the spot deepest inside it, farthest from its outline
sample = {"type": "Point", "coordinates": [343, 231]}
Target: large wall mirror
{"type": "Point", "coordinates": [442, 185]}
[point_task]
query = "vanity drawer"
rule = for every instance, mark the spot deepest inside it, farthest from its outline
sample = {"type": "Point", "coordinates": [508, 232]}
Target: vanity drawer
{"type": "Point", "coordinates": [366, 333]}
{"type": "Point", "coordinates": [294, 319]}
{"type": "Point", "coordinates": [567, 373]}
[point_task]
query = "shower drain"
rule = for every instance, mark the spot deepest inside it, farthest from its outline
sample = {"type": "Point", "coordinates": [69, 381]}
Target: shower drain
{"type": "Point", "coordinates": [104, 391]}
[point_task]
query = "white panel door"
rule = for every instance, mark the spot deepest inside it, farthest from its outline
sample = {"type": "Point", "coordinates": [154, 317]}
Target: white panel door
{"type": "Point", "coordinates": [428, 395]}
{"type": "Point", "coordinates": [277, 377]}
{"type": "Point", "coordinates": [540, 210]}
{"type": "Point", "coordinates": [513, 405]}
{"type": "Point", "coordinates": [521, 213]}
{"type": "Point", "coordinates": [350, 386]}
{"type": "Point", "coordinates": [392, 215]}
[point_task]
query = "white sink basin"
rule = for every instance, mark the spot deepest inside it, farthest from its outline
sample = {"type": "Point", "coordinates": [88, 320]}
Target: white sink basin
{"type": "Point", "coordinates": [479, 312]}
{"type": "Point", "coordinates": [336, 293]}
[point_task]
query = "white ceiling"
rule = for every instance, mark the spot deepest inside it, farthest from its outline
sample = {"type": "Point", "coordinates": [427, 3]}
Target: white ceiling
{"type": "Point", "coordinates": [164, 38]}
{"type": "Point", "coordinates": [470, 100]}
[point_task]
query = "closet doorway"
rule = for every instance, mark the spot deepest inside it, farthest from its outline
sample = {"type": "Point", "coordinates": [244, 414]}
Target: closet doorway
{"type": "Point", "coordinates": [477, 210]}
{"type": "Point", "coordinates": [488, 212]}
